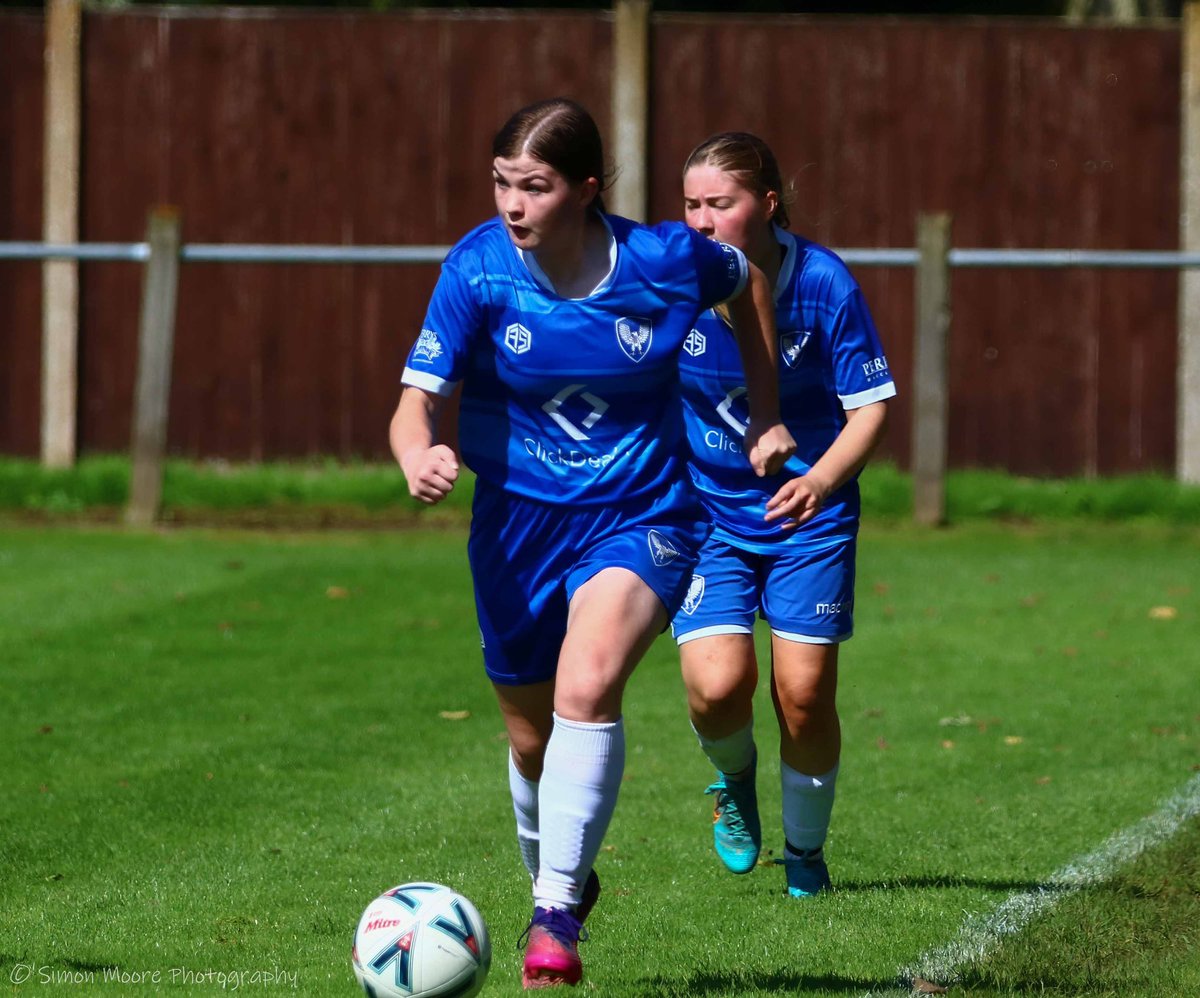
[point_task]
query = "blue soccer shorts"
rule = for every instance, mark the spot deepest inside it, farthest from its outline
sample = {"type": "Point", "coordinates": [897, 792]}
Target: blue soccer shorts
{"type": "Point", "coordinates": [528, 558]}
{"type": "Point", "coordinates": [805, 596]}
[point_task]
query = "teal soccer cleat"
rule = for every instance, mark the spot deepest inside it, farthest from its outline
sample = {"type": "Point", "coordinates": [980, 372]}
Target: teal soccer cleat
{"type": "Point", "coordinates": [737, 835]}
{"type": "Point", "coordinates": [807, 874]}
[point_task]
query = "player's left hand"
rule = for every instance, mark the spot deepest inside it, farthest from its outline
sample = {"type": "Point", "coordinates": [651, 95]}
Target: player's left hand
{"type": "Point", "coordinates": [797, 502]}
{"type": "Point", "coordinates": [768, 447]}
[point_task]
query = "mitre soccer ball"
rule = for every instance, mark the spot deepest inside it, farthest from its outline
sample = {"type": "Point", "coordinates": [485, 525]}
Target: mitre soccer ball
{"type": "Point", "coordinates": [420, 940]}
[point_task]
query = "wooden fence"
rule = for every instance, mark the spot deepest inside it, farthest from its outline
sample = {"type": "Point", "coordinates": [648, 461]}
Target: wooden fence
{"type": "Point", "coordinates": [361, 128]}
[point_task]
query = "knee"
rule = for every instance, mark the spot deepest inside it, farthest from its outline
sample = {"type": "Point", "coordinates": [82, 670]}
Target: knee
{"type": "Point", "coordinates": [717, 692]}
{"type": "Point", "coordinates": [804, 703]}
{"type": "Point", "coordinates": [529, 755]}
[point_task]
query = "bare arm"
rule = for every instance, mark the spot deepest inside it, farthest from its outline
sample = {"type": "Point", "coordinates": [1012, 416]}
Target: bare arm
{"type": "Point", "coordinates": [768, 442]}
{"type": "Point", "coordinates": [430, 468]}
{"type": "Point", "coordinates": [799, 499]}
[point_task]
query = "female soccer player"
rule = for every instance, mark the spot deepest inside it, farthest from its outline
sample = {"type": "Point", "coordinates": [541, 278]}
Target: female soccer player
{"type": "Point", "coordinates": [834, 383]}
{"type": "Point", "coordinates": [564, 326]}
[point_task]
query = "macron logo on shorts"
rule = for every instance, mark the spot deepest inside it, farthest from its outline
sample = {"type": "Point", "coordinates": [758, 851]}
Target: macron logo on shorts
{"type": "Point", "coordinates": [661, 549]}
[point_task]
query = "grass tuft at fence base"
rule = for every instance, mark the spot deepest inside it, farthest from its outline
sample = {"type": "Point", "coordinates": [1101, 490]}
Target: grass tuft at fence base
{"type": "Point", "coordinates": [328, 493]}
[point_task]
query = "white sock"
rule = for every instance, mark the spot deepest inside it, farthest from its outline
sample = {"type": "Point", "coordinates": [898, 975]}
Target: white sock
{"type": "Point", "coordinates": [807, 805]}
{"type": "Point", "coordinates": [525, 807]}
{"type": "Point", "coordinates": [576, 800]}
{"type": "Point", "coordinates": [732, 754]}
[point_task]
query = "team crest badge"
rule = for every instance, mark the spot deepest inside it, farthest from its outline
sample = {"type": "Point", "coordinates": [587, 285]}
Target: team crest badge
{"type": "Point", "coordinates": [695, 343]}
{"type": "Point", "coordinates": [634, 335]}
{"type": "Point", "coordinates": [791, 346]}
{"type": "Point", "coordinates": [428, 346]}
{"type": "Point", "coordinates": [661, 549]}
{"type": "Point", "coordinates": [695, 593]}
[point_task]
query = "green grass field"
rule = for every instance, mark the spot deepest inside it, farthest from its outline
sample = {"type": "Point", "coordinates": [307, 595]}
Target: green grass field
{"type": "Point", "coordinates": [219, 746]}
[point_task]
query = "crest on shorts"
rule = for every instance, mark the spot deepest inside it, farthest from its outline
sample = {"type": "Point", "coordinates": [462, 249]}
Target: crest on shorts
{"type": "Point", "coordinates": [634, 335]}
{"type": "Point", "coordinates": [661, 549]}
{"type": "Point", "coordinates": [791, 346]}
{"type": "Point", "coordinates": [695, 593]}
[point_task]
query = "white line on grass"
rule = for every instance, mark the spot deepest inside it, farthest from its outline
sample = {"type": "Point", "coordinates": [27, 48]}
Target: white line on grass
{"type": "Point", "coordinates": [979, 934]}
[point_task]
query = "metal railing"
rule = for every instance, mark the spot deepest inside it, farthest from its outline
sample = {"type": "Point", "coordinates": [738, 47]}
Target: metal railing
{"type": "Point", "coordinates": [932, 258]}
{"type": "Point", "coordinates": [334, 254]}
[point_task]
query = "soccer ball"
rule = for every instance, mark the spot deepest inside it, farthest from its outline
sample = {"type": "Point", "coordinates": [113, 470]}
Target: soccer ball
{"type": "Point", "coordinates": [420, 940]}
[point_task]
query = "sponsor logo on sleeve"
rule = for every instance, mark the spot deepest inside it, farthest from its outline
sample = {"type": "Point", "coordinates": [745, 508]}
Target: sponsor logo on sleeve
{"type": "Point", "coordinates": [428, 347]}
{"type": "Point", "coordinates": [517, 338]}
{"type": "Point", "coordinates": [876, 368]}
{"type": "Point", "coordinates": [733, 261]}
{"type": "Point", "coordinates": [634, 335]}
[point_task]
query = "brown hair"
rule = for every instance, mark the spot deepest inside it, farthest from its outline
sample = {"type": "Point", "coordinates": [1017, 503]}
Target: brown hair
{"type": "Point", "coordinates": [749, 159]}
{"type": "Point", "coordinates": [562, 135]}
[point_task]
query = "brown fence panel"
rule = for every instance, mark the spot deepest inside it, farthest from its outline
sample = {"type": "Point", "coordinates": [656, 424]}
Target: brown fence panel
{"type": "Point", "coordinates": [296, 128]}
{"type": "Point", "coordinates": [361, 128]}
{"type": "Point", "coordinates": [1033, 135]}
{"type": "Point", "coordinates": [21, 85]}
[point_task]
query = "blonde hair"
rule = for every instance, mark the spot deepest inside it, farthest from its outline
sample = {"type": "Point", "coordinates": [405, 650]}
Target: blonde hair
{"type": "Point", "coordinates": [750, 160]}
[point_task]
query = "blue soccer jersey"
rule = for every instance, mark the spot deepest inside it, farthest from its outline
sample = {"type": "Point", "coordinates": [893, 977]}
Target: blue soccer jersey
{"type": "Point", "coordinates": [572, 401]}
{"type": "Point", "coordinates": [831, 360]}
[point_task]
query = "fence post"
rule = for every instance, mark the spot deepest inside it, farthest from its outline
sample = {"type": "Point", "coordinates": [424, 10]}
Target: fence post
{"type": "Point", "coordinates": [630, 106]}
{"type": "Point", "coordinates": [60, 224]}
{"type": "Point", "coordinates": [930, 369]}
{"type": "Point", "coordinates": [156, 340]}
{"type": "Point", "coordinates": [1187, 406]}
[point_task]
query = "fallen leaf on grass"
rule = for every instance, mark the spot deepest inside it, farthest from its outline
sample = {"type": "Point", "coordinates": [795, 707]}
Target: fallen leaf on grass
{"type": "Point", "coordinates": [923, 987]}
{"type": "Point", "coordinates": [337, 592]}
{"type": "Point", "coordinates": [45, 729]}
{"type": "Point", "coordinates": [947, 744]}
{"type": "Point", "coordinates": [454, 715]}
{"type": "Point", "coordinates": [1043, 780]}
{"type": "Point", "coordinates": [1013, 739]}
{"type": "Point", "coordinates": [1163, 613]}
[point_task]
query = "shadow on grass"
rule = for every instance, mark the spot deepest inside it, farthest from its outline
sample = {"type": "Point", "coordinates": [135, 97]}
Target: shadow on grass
{"type": "Point", "coordinates": [709, 982]}
{"type": "Point", "coordinates": [944, 881]}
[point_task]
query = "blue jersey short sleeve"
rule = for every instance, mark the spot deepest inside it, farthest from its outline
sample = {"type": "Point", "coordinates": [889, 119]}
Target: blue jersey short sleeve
{"type": "Point", "coordinates": [571, 401]}
{"type": "Point", "coordinates": [437, 360]}
{"type": "Point", "coordinates": [831, 360]}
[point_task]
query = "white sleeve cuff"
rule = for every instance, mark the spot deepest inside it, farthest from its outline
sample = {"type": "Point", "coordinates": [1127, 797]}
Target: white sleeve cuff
{"type": "Point", "coordinates": [427, 382]}
{"type": "Point", "coordinates": [876, 394]}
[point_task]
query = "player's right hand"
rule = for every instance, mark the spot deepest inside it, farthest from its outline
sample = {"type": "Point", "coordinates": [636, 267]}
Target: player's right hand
{"type": "Point", "coordinates": [768, 446]}
{"type": "Point", "coordinates": [431, 473]}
